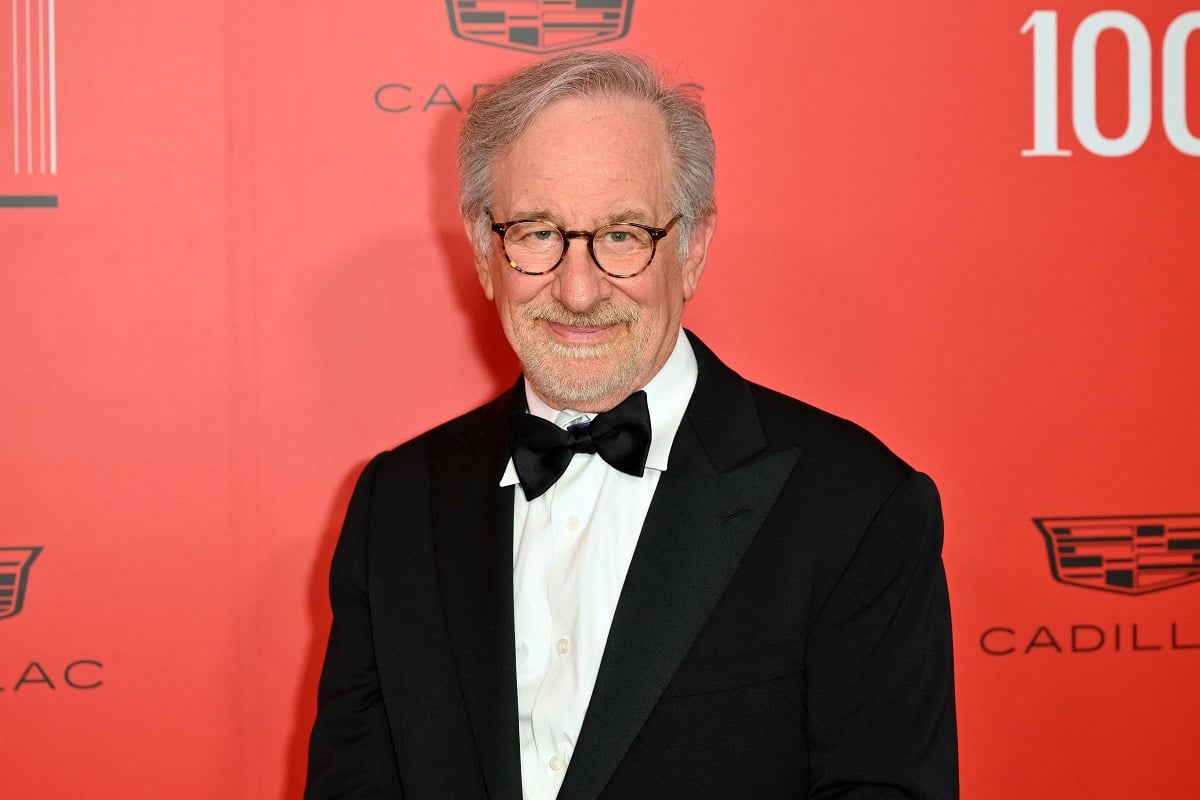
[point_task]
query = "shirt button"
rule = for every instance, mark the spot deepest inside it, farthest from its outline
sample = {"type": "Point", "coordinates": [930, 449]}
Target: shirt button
{"type": "Point", "coordinates": [557, 763]}
{"type": "Point", "coordinates": [562, 646]}
{"type": "Point", "coordinates": [573, 523]}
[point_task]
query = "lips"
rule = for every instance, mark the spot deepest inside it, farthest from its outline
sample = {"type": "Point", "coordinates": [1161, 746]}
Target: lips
{"type": "Point", "coordinates": [581, 333]}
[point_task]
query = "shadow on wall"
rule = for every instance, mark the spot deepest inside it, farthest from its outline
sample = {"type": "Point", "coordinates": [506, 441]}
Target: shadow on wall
{"type": "Point", "coordinates": [478, 311]}
{"type": "Point", "coordinates": [317, 609]}
{"type": "Point", "coordinates": [376, 312]}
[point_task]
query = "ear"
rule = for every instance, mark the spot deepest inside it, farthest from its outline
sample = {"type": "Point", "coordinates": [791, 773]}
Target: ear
{"type": "Point", "coordinates": [693, 265]}
{"type": "Point", "coordinates": [483, 265]}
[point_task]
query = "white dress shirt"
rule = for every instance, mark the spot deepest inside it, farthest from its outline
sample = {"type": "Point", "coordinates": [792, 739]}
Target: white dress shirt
{"type": "Point", "coordinates": [571, 549]}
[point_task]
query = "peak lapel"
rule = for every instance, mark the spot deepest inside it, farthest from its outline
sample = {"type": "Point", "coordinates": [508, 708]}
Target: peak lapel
{"type": "Point", "coordinates": [708, 506]}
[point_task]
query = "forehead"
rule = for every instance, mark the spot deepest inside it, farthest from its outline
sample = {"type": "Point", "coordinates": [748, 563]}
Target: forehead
{"type": "Point", "coordinates": [587, 156]}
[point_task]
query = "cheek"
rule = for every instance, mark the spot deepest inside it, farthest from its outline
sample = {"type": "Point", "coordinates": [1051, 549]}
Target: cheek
{"type": "Point", "coordinates": [513, 291]}
{"type": "Point", "coordinates": [659, 298]}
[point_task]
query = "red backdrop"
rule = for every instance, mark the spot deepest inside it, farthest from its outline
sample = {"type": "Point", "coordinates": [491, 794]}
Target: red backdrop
{"type": "Point", "coordinates": [231, 271]}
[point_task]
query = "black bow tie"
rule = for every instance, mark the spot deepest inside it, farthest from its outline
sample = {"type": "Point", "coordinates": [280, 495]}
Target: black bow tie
{"type": "Point", "coordinates": [542, 450]}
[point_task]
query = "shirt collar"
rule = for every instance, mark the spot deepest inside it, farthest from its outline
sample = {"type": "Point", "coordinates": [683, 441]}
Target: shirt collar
{"type": "Point", "coordinates": [667, 395]}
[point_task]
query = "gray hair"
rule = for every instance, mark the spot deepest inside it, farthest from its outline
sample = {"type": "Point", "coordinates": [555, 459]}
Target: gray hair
{"type": "Point", "coordinates": [504, 111]}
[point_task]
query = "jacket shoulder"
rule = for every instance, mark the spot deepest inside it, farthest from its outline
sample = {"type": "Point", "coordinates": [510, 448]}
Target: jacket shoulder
{"type": "Point", "coordinates": [735, 415]}
{"type": "Point", "coordinates": [830, 439]}
{"type": "Point", "coordinates": [476, 431]}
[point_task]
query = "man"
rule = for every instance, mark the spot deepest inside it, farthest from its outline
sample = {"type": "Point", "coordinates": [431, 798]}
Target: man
{"type": "Point", "coordinates": [750, 603]}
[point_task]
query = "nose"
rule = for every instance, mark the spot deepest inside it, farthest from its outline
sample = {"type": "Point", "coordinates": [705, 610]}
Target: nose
{"type": "Point", "coordinates": [578, 283]}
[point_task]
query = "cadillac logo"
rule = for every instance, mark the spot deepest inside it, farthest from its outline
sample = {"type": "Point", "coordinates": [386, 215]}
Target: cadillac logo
{"type": "Point", "coordinates": [14, 577]}
{"type": "Point", "coordinates": [540, 26]}
{"type": "Point", "coordinates": [1128, 555]}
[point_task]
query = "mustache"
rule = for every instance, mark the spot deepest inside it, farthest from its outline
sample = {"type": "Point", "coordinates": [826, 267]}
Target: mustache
{"type": "Point", "coordinates": [603, 314]}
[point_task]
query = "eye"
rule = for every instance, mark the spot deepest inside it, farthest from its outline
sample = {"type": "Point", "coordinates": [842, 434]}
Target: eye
{"type": "Point", "coordinates": [532, 232]}
{"type": "Point", "coordinates": [623, 238]}
{"type": "Point", "coordinates": [533, 236]}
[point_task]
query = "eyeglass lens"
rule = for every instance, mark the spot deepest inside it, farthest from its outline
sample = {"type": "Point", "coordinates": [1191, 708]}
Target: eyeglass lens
{"type": "Point", "coordinates": [538, 246]}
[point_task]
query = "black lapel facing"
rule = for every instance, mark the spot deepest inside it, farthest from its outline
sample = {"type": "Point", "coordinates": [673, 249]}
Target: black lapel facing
{"type": "Point", "coordinates": [717, 490]}
{"type": "Point", "coordinates": [472, 532]}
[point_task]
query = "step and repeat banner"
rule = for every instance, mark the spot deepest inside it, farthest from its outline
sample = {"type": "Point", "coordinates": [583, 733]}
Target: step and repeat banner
{"type": "Point", "coordinates": [231, 271]}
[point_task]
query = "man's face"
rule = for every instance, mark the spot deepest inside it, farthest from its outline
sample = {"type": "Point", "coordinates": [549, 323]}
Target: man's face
{"type": "Point", "coordinates": [587, 341]}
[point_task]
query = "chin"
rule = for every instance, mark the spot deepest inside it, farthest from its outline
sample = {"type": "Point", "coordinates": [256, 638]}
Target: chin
{"type": "Point", "coordinates": [581, 380]}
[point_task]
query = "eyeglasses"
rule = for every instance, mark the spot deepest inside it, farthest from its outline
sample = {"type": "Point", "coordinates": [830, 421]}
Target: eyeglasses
{"type": "Point", "coordinates": [620, 250]}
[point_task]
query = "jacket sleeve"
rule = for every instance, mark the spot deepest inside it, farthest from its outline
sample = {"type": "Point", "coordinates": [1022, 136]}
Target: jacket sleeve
{"type": "Point", "coordinates": [350, 752]}
{"type": "Point", "coordinates": [881, 719]}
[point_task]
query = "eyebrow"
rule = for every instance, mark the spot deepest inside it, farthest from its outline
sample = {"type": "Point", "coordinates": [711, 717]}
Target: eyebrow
{"type": "Point", "coordinates": [629, 215]}
{"type": "Point", "coordinates": [626, 215]}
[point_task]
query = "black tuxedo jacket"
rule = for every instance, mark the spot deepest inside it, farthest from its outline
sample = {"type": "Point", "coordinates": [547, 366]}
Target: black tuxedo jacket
{"type": "Point", "coordinates": [783, 630]}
